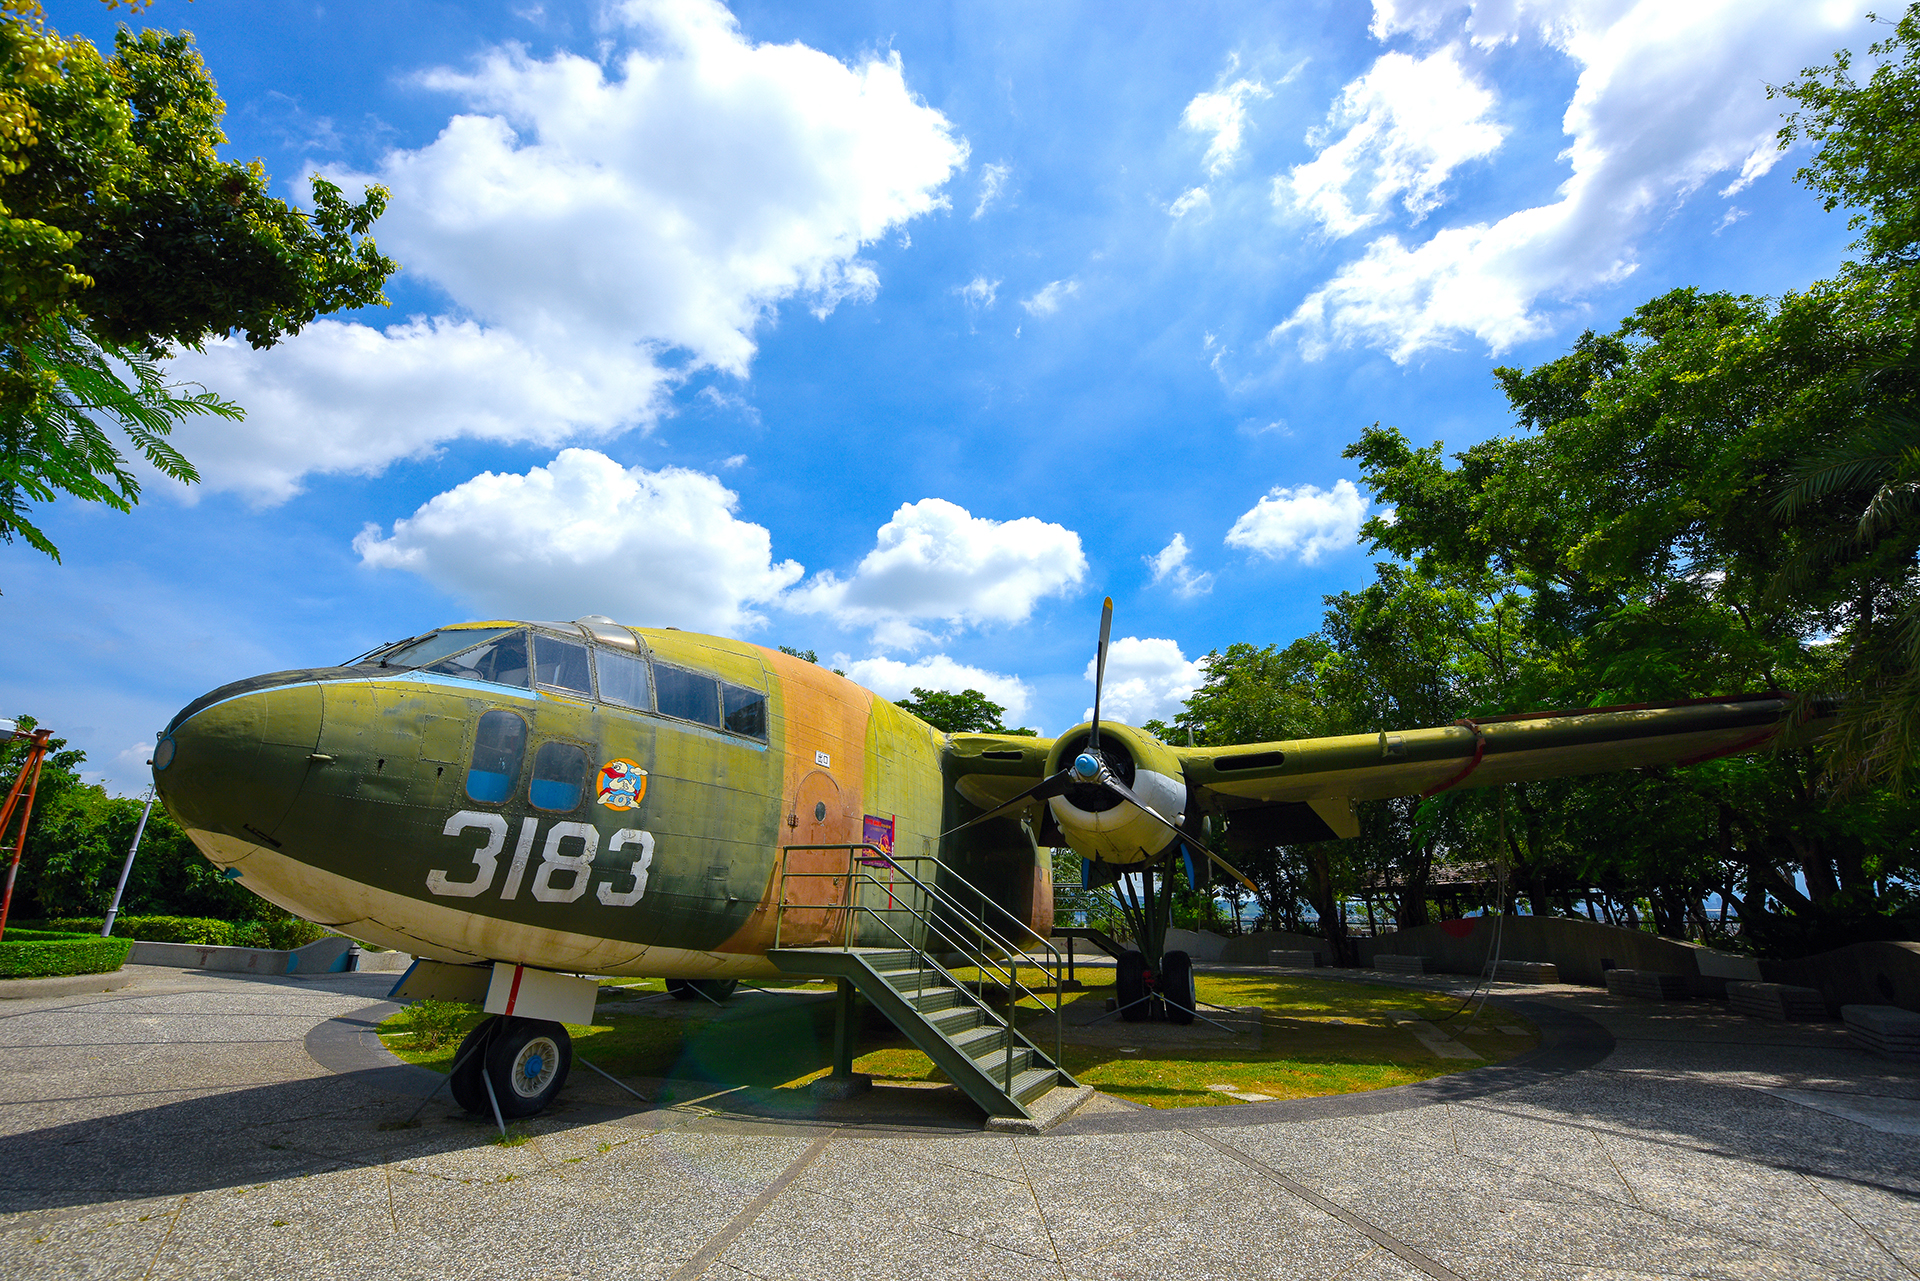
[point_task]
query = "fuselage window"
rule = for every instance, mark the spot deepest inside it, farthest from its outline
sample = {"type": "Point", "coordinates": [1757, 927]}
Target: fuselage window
{"type": "Point", "coordinates": [745, 709]}
{"type": "Point", "coordinates": [502, 662]}
{"type": "Point", "coordinates": [498, 745]}
{"type": "Point", "coordinates": [425, 653]}
{"type": "Point", "coordinates": [562, 664]}
{"type": "Point", "coordinates": [688, 695]}
{"type": "Point", "coordinates": [559, 776]}
{"type": "Point", "coordinates": [623, 679]}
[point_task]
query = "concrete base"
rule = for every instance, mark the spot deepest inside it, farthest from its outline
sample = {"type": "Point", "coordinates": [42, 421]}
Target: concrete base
{"type": "Point", "coordinates": [64, 985]}
{"type": "Point", "coordinates": [841, 1087]}
{"type": "Point", "coordinates": [1049, 1110]}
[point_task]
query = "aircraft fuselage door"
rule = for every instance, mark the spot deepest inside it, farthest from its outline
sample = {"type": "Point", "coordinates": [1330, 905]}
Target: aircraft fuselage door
{"type": "Point", "coordinates": [816, 880]}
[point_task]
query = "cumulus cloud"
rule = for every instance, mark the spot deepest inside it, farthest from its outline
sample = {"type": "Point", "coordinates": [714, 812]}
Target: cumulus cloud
{"type": "Point", "coordinates": [1147, 679]}
{"type": "Point", "coordinates": [1305, 521]}
{"type": "Point", "coordinates": [1170, 566]}
{"type": "Point", "coordinates": [1409, 123]}
{"type": "Point", "coordinates": [937, 562]}
{"type": "Point", "coordinates": [586, 218]}
{"type": "Point", "coordinates": [993, 180]}
{"type": "Point", "coordinates": [1222, 115]}
{"type": "Point", "coordinates": [892, 679]}
{"type": "Point", "coordinates": [1668, 97]}
{"type": "Point", "coordinates": [584, 535]}
{"type": "Point", "coordinates": [1048, 300]}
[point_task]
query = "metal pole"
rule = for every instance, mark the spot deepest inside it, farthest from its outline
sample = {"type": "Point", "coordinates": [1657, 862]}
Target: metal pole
{"type": "Point", "coordinates": [106, 927]}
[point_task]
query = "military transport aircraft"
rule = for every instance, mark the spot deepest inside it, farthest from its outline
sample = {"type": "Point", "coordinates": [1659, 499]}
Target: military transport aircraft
{"type": "Point", "coordinates": [519, 803]}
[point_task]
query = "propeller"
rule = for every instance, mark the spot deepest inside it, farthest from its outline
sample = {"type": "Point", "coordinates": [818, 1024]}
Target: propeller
{"type": "Point", "coordinates": [1090, 769]}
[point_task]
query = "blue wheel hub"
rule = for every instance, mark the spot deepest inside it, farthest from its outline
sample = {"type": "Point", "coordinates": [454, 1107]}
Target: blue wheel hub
{"type": "Point", "coordinates": [534, 1065]}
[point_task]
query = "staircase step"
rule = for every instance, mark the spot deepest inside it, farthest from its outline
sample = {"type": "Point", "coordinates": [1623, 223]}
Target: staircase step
{"type": "Point", "coordinates": [1034, 1082]}
{"type": "Point", "coordinates": [885, 962]}
{"type": "Point", "coordinates": [952, 1022]}
{"type": "Point", "coordinates": [934, 1000]}
{"type": "Point", "coordinates": [975, 1041]}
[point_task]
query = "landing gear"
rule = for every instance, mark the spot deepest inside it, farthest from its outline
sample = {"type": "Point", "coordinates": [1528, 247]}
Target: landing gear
{"type": "Point", "coordinates": [525, 1060]}
{"type": "Point", "coordinates": [1176, 987]}
{"type": "Point", "coordinates": [1132, 982]}
{"type": "Point", "coordinates": [715, 990]}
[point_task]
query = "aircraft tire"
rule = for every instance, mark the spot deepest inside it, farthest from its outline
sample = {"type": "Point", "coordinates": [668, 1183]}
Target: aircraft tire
{"type": "Point", "coordinates": [1176, 985]}
{"type": "Point", "coordinates": [471, 1060]}
{"type": "Point", "coordinates": [528, 1062]}
{"type": "Point", "coordinates": [691, 989]}
{"type": "Point", "coordinates": [1130, 985]}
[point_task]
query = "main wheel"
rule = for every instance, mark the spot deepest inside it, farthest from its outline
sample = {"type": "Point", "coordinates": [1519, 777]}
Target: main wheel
{"type": "Point", "coordinates": [528, 1062]}
{"type": "Point", "coordinates": [1176, 985]}
{"type": "Point", "coordinates": [468, 1063]}
{"type": "Point", "coordinates": [1131, 980]}
{"type": "Point", "coordinates": [692, 989]}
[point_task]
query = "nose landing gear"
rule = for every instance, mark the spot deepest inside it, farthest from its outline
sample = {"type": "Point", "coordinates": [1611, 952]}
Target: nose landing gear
{"type": "Point", "coordinates": [526, 1061]}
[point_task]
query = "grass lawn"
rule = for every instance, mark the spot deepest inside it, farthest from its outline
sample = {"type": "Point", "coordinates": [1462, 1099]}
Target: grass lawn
{"type": "Point", "coordinates": [1319, 1036]}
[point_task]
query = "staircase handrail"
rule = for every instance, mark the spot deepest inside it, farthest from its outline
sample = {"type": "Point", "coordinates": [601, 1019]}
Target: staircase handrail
{"type": "Point", "coordinates": [981, 957]}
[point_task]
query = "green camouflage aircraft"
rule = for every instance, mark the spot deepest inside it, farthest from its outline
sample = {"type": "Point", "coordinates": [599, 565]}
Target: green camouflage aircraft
{"type": "Point", "coordinates": [517, 802]}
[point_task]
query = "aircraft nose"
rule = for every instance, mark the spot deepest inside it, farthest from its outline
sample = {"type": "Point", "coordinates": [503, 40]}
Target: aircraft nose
{"type": "Point", "coordinates": [236, 765]}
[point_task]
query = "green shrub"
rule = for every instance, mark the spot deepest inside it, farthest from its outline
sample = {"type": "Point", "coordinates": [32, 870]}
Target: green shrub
{"type": "Point", "coordinates": [201, 931]}
{"type": "Point", "coordinates": [433, 1022]}
{"type": "Point", "coordinates": [39, 953]}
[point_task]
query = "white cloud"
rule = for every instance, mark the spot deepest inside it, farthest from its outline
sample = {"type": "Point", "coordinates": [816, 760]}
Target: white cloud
{"type": "Point", "coordinates": [1169, 565]}
{"type": "Point", "coordinates": [584, 535]}
{"type": "Point", "coordinates": [584, 218]}
{"type": "Point", "coordinates": [1668, 97]}
{"type": "Point", "coordinates": [1306, 520]}
{"type": "Point", "coordinates": [934, 561]}
{"type": "Point", "coordinates": [993, 180]}
{"type": "Point", "coordinates": [1190, 200]}
{"type": "Point", "coordinates": [1223, 115]}
{"type": "Point", "coordinates": [979, 292]}
{"type": "Point", "coordinates": [1147, 679]}
{"type": "Point", "coordinates": [1409, 123]}
{"type": "Point", "coordinates": [732, 461]}
{"type": "Point", "coordinates": [892, 679]}
{"type": "Point", "coordinates": [1048, 300]}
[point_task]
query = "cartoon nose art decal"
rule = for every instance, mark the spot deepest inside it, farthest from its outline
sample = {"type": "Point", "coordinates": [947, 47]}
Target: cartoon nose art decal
{"type": "Point", "coordinates": [622, 784]}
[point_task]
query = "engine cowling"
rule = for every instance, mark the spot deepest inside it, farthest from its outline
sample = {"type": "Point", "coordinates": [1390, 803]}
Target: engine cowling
{"type": "Point", "coordinates": [1101, 826]}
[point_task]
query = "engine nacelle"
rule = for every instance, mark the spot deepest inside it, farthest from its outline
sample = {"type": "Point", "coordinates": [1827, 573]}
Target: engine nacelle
{"type": "Point", "coordinates": [1101, 826]}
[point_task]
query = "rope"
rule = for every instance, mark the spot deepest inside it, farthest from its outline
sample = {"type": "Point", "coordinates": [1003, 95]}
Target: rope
{"type": "Point", "coordinates": [1479, 752]}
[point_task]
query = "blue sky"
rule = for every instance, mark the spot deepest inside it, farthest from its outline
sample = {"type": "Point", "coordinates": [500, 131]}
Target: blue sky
{"type": "Point", "coordinates": [899, 332]}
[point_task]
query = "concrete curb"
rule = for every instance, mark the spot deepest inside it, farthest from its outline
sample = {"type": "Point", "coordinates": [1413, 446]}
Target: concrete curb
{"type": "Point", "coordinates": [64, 985]}
{"type": "Point", "coordinates": [324, 956]}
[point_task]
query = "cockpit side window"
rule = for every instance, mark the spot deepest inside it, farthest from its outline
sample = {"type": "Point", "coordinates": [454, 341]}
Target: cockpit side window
{"type": "Point", "coordinates": [559, 776]}
{"type": "Point", "coordinates": [562, 664]}
{"type": "Point", "coordinates": [498, 744]}
{"type": "Point", "coordinates": [745, 710]}
{"type": "Point", "coordinates": [431, 649]}
{"type": "Point", "coordinates": [502, 662]}
{"type": "Point", "coordinates": [691, 696]}
{"type": "Point", "coordinates": [623, 679]}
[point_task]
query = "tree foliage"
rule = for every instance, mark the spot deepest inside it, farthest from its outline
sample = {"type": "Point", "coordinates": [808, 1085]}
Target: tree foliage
{"type": "Point", "coordinates": [124, 237]}
{"type": "Point", "coordinates": [968, 712]}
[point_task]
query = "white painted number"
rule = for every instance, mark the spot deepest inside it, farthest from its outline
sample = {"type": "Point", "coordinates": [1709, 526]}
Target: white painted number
{"type": "Point", "coordinates": [485, 859]}
{"type": "Point", "coordinates": [552, 860]}
{"type": "Point", "coordinates": [632, 836]}
{"type": "Point", "coordinates": [577, 866]}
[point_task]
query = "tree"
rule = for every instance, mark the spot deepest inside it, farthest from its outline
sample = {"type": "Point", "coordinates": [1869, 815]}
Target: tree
{"type": "Point", "coordinates": [124, 237]}
{"type": "Point", "coordinates": [968, 712]}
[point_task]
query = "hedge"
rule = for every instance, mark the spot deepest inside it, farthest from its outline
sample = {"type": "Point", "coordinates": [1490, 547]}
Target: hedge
{"type": "Point", "coordinates": [40, 953]}
{"type": "Point", "coordinates": [201, 930]}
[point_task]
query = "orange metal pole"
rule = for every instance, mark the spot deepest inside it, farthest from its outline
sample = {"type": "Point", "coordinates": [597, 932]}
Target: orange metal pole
{"type": "Point", "coordinates": [36, 757]}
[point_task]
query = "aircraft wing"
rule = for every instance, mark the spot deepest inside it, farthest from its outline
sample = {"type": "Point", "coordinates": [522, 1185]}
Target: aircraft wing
{"type": "Point", "coordinates": [1322, 777]}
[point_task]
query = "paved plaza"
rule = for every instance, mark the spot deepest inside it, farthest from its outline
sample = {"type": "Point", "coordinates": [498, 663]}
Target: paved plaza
{"type": "Point", "coordinates": [209, 1126]}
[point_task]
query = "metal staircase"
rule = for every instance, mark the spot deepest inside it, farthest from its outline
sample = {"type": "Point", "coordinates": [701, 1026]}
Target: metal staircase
{"type": "Point", "coordinates": [895, 936]}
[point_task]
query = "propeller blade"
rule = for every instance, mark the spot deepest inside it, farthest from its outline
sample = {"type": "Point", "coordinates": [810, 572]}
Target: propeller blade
{"type": "Point", "coordinates": [1100, 672]}
{"type": "Point", "coordinates": [1126, 793]}
{"type": "Point", "coordinates": [1045, 788]}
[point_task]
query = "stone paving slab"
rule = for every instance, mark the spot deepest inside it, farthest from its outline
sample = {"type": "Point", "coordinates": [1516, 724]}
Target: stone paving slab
{"type": "Point", "coordinates": [204, 1125]}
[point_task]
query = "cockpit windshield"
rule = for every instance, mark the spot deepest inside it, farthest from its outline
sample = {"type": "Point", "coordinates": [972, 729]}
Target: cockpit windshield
{"type": "Point", "coordinates": [427, 652]}
{"type": "Point", "coordinates": [502, 660]}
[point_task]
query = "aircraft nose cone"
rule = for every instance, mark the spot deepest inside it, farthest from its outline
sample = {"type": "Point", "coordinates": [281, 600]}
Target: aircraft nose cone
{"type": "Point", "coordinates": [235, 767]}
